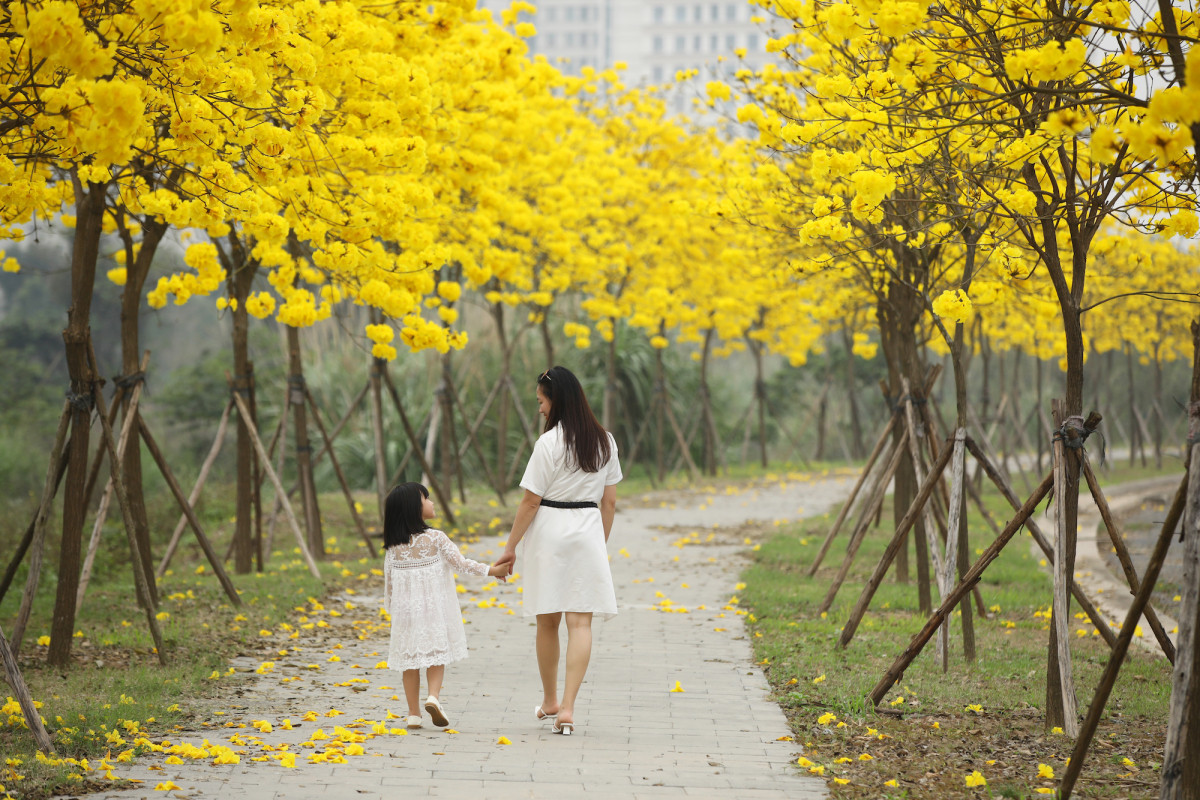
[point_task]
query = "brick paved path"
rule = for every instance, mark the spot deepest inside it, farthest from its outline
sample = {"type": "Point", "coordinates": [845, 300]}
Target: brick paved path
{"type": "Point", "coordinates": [719, 738]}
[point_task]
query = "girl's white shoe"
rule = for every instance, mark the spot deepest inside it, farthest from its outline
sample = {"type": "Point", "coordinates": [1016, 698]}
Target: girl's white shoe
{"type": "Point", "coordinates": [412, 722]}
{"type": "Point", "coordinates": [435, 710]}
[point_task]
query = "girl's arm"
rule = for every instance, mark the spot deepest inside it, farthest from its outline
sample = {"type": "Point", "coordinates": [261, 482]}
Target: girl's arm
{"type": "Point", "coordinates": [458, 561]}
{"type": "Point", "coordinates": [526, 511]}
{"type": "Point", "coordinates": [387, 583]}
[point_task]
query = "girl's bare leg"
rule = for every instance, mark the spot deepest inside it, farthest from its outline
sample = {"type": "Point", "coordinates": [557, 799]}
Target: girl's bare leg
{"type": "Point", "coordinates": [547, 657]}
{"type": "Point", "coordinates": [579, 652]}
{"type": "Point", "coordinates": [434, 676]}
{"type": "Point", "coordinates": [412, 691]}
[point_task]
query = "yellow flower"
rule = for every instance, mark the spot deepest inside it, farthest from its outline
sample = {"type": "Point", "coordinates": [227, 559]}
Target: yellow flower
{"type": "Point", "coordinates": [503, 740]}
{"type": "Point", "coordinates": [826, 718]}
{"type": "Point", "coordinates": [891, 783]}
{"type": "Point", "coordinates": [678, 687]}
{"type": "Point", "coordinates": [819, 678]}
{"type": "Point", "coordinates": [976, 780]}
{"type": "Point", "coordinates": [167, 786]}
{"type": "Point", "coordinates": [953, 305]}
{"type": "Point", "coordinates": [43, 641]}
{"type": "Point", "coordinates": [1045, 771]}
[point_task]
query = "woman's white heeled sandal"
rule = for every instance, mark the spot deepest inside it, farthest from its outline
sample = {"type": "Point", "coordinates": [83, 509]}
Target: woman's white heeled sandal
{"type": "Point", "coordinates": [542, 716]}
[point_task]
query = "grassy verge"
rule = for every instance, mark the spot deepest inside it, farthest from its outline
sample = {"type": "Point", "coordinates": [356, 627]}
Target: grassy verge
{"type": "Point", "coordinates": [978, 723]}
{"type": "Point", "coordinates": [115, 699]}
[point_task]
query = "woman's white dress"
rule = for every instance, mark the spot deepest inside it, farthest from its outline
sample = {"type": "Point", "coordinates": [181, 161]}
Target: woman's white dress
{"type": "Point", "coordinates": [562, 557]}
{"type": "Point", "coordinates": [418, 581]}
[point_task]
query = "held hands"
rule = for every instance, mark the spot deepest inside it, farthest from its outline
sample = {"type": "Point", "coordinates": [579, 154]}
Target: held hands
{"type": "Point", "coordinates": [504, 565]}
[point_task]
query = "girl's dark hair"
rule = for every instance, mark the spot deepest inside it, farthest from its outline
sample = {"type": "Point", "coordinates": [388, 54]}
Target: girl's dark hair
{"type": "Point", "coordinates": [402, 514]}
{"type": "Point", "coordinates": [586, 440]}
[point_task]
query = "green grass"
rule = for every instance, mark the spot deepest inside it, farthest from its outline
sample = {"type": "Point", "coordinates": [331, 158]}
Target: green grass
{"type": "Point", "coordinates": [115, 690]}
{"type": "Point", "coordinates": [1005, 739]}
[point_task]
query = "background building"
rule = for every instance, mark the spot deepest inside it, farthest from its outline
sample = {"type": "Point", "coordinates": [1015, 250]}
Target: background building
{"type": "Point", "coordinates": [656, 40]}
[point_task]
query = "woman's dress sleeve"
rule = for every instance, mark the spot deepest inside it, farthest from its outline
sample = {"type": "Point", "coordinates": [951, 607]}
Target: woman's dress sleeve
{"type": "Point", "coordinates": [539, 472]}
{"type": "Point", "coordinates": [612, 470]}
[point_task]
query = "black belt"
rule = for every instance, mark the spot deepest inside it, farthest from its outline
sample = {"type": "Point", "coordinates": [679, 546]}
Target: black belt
{"type": "Point", "coordinates": [568, 504]}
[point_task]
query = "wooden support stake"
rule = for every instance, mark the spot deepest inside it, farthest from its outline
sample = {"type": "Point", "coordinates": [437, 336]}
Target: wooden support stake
{"type": "Point", "coordinates": [140, 578]}
{"type": "Point", "coordinates": [60, 451]}
{"type": "Point", "coordinates": [381, 487]}
{"type": "Point", "coordinates": [196, 489]}
{"type": "Point", "coordinates": [358, 523]}
{"type": "Point", "coordinates": [880, 443]}
{"type": "Point", "coordinates": [1061, 607]}
{"type": "Point", "coordinates": [447, 511]}
{"type": "Point", "coordinates": [906, 524]}
{"type": "Point", "coordinates": [274, 478]}
{"type": "Point", "coordinates": [953, 517]}
{"type": "Point", "coordinates": [896, 671]}
{"type": "Point", "coordinates": [1043, 544]}
{"type": "Point", "coordinates": [23, 547]}
{"type": "Point", "coordinates": [1189, 485]}
{"type": "Point", "coordinates": [102, 512]}
{"type": "Point", "coordinates": [12, 672]}
{"type": "Point", "coordinates": [165, 470]}
{"type": "Point", "coordinates": [914, 449]}
{"type": "Point", "coordinates": [473, 443]}
{"type": "Point", "coordinates": [878, 492]}
{"type": "Point", "coordinates": [1110, 525]}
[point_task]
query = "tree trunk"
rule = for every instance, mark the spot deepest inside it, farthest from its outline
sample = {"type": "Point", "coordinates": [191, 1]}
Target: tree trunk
{"type": "Point", "coordinates": [707, 425]}
{"type": "Point", "coordinates": [240, 277]}
{"type": "Point", "coordinates": [899, 313]}
{"type": "Point", "coordinates": [1134, 431]}
{"type": "Point", "coordinates": [131, 466]}
{"type": "Point", "coordinates": [304, 462]}
{"type": "Point", "coordinates": [857, 448]}
{"type": "Point", "coordinates": [760, 397]}
{"type": "Point", "coordinates": [1181, 759]}
{"type": "Point", "coordinates": [89, 210]}
{"type": "Point", "coordinates": [610, 384]}
{"type": "Point", "coordinates": [503, 399]}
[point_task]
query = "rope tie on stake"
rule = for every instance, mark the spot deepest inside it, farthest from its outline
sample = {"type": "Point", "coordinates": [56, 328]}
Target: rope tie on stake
{"type": "Point", "coordinates": [81, 402]}
{"type": "Point", "coordinates": [1073, 433]}
{"type": "Point", "coordinates": [129, 381]}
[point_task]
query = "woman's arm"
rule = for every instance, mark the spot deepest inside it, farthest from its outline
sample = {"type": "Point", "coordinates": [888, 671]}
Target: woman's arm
{"type": "Point", "coordinates": [608, 508]}
{"type": "Point", "coordinates": [526, 511]}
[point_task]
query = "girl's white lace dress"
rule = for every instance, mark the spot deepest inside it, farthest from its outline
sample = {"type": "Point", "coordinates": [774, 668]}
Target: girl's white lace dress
{"type": "Point", "coordinates": [418, 580]}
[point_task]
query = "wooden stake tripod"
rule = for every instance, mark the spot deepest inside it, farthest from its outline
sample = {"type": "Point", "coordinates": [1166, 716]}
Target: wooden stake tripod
{"type": "Point", "coordinates": [112, 450]}
{"type": "Point", "coordinates": [971, 577]}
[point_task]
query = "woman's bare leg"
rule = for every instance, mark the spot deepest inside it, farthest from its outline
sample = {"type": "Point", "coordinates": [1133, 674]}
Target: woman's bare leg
{"type": "Point", "coordinates": [433, 677]}
{"type": "Point", "coordinates": [412, 691]}
{"type": "Point", "coordinates": [547, 657]}
{"type": "Point", "coordinates": [579, 652]}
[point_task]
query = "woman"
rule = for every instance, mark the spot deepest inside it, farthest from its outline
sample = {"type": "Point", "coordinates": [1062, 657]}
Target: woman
{"type": "Point", "coordinates": [562, 525]}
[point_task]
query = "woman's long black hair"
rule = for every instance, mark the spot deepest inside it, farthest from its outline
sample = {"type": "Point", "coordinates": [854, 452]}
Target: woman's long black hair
{"type": "Point", "coordinates": [402, 514]}
{"type": "Point", "coordinates": [586, 440]}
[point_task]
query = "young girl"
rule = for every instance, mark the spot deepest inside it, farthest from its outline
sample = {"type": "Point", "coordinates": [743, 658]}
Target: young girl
{"type": "Point", "coordinates": [418, 580]}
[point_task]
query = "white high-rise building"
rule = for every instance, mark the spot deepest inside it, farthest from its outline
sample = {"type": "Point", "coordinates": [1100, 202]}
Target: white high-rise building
{"type": "Point", "coordinates": [655, 39]}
